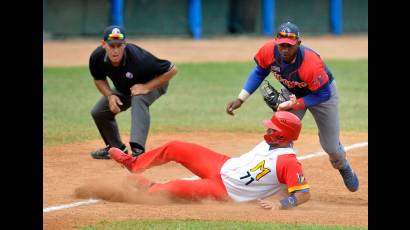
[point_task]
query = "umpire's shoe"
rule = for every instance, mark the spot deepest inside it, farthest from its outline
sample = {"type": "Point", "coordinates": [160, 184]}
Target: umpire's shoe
{"type": "Point", "coordinates": [103, 153]}
{"type": "Point", "coordinates": [350, 178]}
{"type": "Point", "coordinates": [136, 152]}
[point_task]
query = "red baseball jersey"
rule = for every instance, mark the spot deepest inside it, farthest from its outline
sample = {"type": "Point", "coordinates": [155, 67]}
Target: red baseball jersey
{"type": "Point", "coordinates": [307, 74]}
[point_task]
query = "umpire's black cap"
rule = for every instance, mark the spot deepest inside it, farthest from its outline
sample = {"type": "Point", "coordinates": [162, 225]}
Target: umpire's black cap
{"type": "Point", "coordinates": [114, 34]}
{"type": "Point", "coordinates": [287, 33]}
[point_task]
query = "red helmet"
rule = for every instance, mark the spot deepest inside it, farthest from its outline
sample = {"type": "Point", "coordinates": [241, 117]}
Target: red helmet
{"type": "Point", "coordinates": [286, 125]}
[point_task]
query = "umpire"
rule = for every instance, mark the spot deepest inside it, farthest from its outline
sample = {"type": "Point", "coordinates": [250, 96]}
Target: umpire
{"type": "Point", "coordinates": [139, 78]}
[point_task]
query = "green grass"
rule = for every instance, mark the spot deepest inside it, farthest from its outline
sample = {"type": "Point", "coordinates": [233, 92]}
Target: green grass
{"type": "Point", "coordinates": [206, 225]}
{"type": "Point", "coordinates": [196, 100]}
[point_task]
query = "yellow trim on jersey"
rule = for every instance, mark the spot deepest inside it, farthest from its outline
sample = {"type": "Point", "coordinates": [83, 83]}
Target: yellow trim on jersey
{"type": "Point", "coordinates": [300, 187]}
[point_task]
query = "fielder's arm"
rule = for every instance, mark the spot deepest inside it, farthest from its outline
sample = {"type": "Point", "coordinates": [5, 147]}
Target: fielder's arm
{"type": "Point", "coordinates": [252, 83]}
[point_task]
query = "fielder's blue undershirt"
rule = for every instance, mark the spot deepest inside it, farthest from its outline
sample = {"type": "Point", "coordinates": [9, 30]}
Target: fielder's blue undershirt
{"type": "Point", "coordinates": [255, 79]}
{"type": "Point", "coordinates": [259, 74]}
{"type": "Point", "coordinates": [317, 97]}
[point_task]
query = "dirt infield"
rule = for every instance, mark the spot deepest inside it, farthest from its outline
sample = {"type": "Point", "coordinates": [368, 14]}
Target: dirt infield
{"type": "Point", "coordinates": [67, 167]}
{"type": "Point", "coordinates": [76, 52]}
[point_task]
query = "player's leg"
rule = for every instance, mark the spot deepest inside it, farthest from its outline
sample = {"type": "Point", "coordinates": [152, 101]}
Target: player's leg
{"type": "Point", "coordinates": [192, 189]}
{"type": "Point", "coordinates": [201, 161]}
{"type": "Point", "coordinates": [140, 118]}
{"type": "Point", "coordinates": [107, 124]}
{"type": "Point", "coordinates": [326, 116]}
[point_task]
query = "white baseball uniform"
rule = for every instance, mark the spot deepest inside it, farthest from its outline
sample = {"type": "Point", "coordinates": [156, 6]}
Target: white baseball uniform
{"type": "Point", "coordinates": [262, 172]}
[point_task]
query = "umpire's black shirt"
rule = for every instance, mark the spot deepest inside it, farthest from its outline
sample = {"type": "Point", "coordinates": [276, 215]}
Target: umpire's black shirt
{"type": "Point", "coordinates": [138, 66]}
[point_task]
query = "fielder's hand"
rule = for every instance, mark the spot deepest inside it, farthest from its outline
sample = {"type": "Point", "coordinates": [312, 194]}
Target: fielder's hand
{"type": "Point", "coordinates": [139, 89]}
{"type": "Point", "coordinates": [232, 106]}
{"type": "Point", "coordinates": [113, 102]}
{"type": "Point", "coordinates": [287, 105]}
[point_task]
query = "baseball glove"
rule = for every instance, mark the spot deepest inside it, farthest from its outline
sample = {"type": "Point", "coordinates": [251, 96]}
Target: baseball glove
{"type": "Point", "coordinates": [271, 96]}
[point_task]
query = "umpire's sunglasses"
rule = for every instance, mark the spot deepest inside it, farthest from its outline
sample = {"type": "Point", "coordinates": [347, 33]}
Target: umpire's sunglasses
{"type": "Point", "coordinates": [287, 35]}
{"type": "Point", "coordinates": [115, 36]}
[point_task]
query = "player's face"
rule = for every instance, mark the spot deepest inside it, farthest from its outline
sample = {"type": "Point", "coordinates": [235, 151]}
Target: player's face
{"type": "Point", "coordinates": [288, 51]}
{"type": "Point", "coordinates": [269, 131]}
{"type": "Point", "coordinates": [115, 52]}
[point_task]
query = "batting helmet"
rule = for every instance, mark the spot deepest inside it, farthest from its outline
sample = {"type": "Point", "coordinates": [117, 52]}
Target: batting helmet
{"type": "Point", "coordinates": [286, 128]}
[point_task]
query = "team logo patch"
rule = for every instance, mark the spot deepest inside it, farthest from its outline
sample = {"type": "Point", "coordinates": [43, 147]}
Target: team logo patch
{"type": "Point", "coordinates": [301, 178]}
{"type": "Point", "coordinates": [318, 81]}
{"type": "Point", "coordinates": [286, 29]}
{"type": "Point", "coordinates": [115, 31]}
{"type": "Point", "coordinates": [283, 120]}
{"type": "Point", "coordinates": [129, 75]}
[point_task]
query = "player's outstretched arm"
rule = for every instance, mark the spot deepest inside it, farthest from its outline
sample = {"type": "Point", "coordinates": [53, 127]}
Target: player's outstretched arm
{"type": "Point", "coordinates": [293, 200]}
{"type": "Point", "coordinates": [252, 83]}
{"type": "Point", "coordinates": [233, 105]}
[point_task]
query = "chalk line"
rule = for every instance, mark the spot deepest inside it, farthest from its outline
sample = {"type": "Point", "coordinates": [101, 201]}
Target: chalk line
{"type": "Point", "coordinates": [321, 153]}
{"type": "Point", "coordinates": [64, 206]}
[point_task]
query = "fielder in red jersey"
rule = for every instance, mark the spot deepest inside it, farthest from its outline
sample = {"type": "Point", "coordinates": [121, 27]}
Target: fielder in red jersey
{"type": "Point", "coordinates": [260, 173]}
{"type": "Point", "coordinates": [308, 84]}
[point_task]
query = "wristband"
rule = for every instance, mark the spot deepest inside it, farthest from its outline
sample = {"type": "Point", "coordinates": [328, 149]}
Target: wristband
{"type": "Point", "coordinates": [300, 104]}
{"type": "Point", "coordinates": [243, 95]}
{"type": "Point", "coordinates": [289, 202]}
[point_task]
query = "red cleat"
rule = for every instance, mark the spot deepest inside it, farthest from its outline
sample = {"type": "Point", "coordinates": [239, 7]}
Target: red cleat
{"type": "Point", "coordinates": [122, 158]}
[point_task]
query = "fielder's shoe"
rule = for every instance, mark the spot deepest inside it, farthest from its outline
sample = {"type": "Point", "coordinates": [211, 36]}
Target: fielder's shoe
{"type": "Point", "coordinates": [103, 153]}
{"type": "Point", "coordinates": [350, 178]}
{"type": "Point", "coordinates": [121, 157]}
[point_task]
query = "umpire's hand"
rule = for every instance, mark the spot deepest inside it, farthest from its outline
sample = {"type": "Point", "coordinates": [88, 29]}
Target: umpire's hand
{"type": "Point", "coordinates": [233, 105]}
{"type": "Point", "coordinates": [139, 89]}
{"type": "Point", "coordinates": [113, 102]}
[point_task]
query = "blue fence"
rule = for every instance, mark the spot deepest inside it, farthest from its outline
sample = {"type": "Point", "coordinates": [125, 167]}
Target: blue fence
{"type": "Point", "coordinates": [197, 18]}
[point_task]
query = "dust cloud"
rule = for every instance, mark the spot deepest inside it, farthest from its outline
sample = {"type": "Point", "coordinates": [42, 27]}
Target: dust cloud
{"type": "Point", "coordinates": [115, 190]}
{"type": "Point", "coordinates": [127, 191]}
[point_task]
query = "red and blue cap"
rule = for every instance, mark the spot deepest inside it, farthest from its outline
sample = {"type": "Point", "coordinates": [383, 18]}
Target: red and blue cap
{"type": "Point", "coordinates": [287, 33]}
